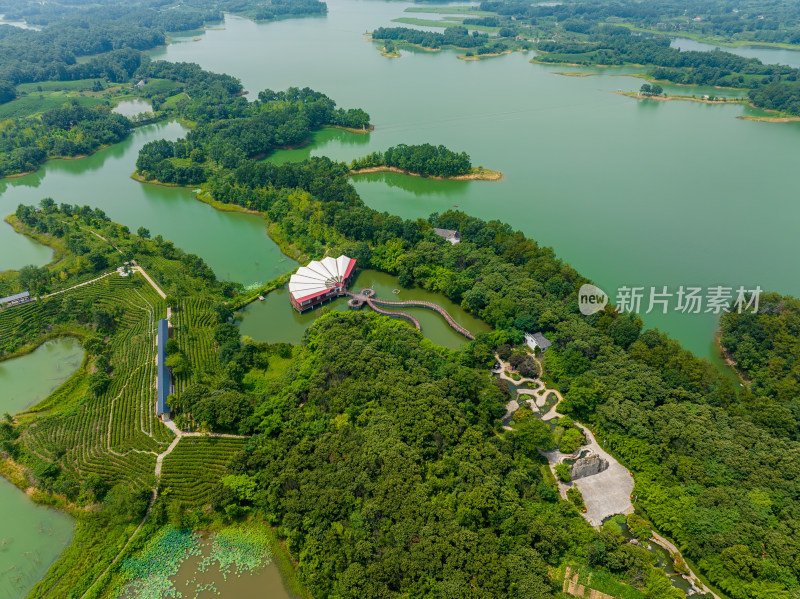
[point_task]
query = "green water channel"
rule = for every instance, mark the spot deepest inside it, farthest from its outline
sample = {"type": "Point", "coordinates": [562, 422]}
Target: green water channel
{"type": "Point", "coordinates": [31, 536]}
{"type": "Point", "coordinates": [274, 320]}
{"type": "Point", "coordinates": [765, 54]}
{"type": "Point", "coordinates": [27, 380]}
{"type": "Point", "coordinates": [235, 245]}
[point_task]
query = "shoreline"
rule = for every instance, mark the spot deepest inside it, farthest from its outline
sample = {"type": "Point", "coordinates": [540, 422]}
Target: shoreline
{"type": "Point", "coordinates": [482, 56]}
{"type": "Point", "coordinates": [476, 175]}
{"type": "Point", "coordinates": [667, 98]}
{"type": "Point", "coordinates": [353, 130]}
{"type": "Point", "coordinates": [777, 118]}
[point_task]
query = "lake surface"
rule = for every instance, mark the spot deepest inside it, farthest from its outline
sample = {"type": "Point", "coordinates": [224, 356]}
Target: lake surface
{"type": "Point", "coordinates": [235, 245]}
{"type": "Point", "coordinates": [274, 320]}
{"type": "Point", "coordinates": [130, 108]}
{"type": "Point", "coordinates": [637, 193]}
{"type": "Point", "coordinates": [765, 54]}
{"type": "Point", "coordinates": [27, 380]}
{"type": "Point", "coordinates": [31, 537]}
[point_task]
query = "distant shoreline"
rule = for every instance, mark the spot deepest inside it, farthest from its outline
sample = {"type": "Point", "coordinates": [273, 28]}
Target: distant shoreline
{"type": "Point", "coordinates": [774, 117]}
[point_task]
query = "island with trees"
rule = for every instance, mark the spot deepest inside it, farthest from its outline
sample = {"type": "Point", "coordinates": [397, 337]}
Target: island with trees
{"type": "Point", "coordinates": [425, 160]}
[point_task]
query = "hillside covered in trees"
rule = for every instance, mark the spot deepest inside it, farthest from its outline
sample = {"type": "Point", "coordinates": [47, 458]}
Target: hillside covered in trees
{"type": "Point", "coordinates": [251, 130]}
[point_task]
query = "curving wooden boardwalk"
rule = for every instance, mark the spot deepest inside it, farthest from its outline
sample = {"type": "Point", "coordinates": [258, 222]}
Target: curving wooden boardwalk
{"type": "Point", "coordinates": [367, 296]}
{"type": "Point", "coordinates": [430, 306]}
{"type": "Point", "coordinates": [408, 317]}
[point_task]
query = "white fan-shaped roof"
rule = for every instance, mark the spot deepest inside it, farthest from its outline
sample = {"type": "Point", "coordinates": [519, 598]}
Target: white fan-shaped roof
{"type": "Point", "coordinates": [319, 276]}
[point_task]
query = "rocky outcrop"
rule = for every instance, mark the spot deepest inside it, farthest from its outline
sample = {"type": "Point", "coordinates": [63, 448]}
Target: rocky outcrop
{"type": "Point", "coordinates": [588, 466]}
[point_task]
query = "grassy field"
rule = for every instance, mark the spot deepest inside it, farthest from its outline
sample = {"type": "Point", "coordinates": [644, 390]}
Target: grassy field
{"type": "Point", "coordinates": [79, 85]}
{"type": "Point", "coordinates": [35, 103]}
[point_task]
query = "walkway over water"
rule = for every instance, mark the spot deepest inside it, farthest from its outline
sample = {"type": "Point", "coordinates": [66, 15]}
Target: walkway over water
{"type": "Point", "coordinates": [367, 296]}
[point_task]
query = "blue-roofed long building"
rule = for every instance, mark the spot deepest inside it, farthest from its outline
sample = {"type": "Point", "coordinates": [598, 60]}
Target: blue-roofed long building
{"type": "Point", "coordinates": [164, 376]}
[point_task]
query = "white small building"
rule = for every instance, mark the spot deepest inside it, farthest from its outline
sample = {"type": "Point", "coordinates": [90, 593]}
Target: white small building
{"type": "Point", "coordinates": [537, 340]}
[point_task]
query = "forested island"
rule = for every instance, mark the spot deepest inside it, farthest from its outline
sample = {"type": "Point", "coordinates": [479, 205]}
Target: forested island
{"type": "Point", "coordinates": [425, 160]}
{"type": "Point", "coordinates": [476, 43]}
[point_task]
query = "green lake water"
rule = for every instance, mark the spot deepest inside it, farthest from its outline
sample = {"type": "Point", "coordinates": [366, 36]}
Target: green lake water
{"type": "Point", "coordinates": [637, 193]}
{"type": "Point", "coordinates": [765, 54]}
{"type": "Point", "coordinates": [274, 320]}
{"type": "Point", "coordinates": [131, 108]}
{"type": "Point", "coordinates": [235, 245]}
{"type": "Point", "coordinates": [27, 380]}
{"type": "Point", "coordinates": [31, 537]}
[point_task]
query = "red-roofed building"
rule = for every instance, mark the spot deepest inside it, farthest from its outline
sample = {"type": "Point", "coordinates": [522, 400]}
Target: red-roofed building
{"type": "Point", "coordinates": [320, 281]}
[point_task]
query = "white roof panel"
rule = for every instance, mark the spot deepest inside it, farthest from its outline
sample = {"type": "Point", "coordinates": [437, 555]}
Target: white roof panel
{"type": "Point", "coordinates": [330, 265]}
{"type": "Point", "coordinates": [315, 277]}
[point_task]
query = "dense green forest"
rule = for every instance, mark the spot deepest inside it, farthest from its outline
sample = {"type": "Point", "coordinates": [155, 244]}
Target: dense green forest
{"type": "Point", "coordinates": [380, 463]}
{"type": "Point", "coordinates": [424, 159]}
{"type": "Point", "coordinates": [457, 37]}
{"type": "Point", "coordinates": [766, 350]}
{"type": "Point", "coordinates": [72, 130]}
{"type": "Point", "coordinates": [275, 119]}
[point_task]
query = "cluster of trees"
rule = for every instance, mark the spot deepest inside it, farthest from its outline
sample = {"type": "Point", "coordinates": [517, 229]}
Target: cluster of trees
{"type": "Point", "coordinates": [88, 255]}
{"type": "Point", "coordinates": [783, 96]}
{"type": "Point", "coordinates": [649, 89]}
{"type": "Point", "coordinates": [287, 8]}
{"type": "Point", "coordinates": [424, 159]}
{"type": "Point", "coordinates": [71, 130]}
{"type": "Point", "coordinates": [276, 119]}
{"type": "Point", "coordinates": [613, 45]}
{"type": "Point", "coordinates": [458, 37]}
{"type": "Point", "coordinates": [766, 350]}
